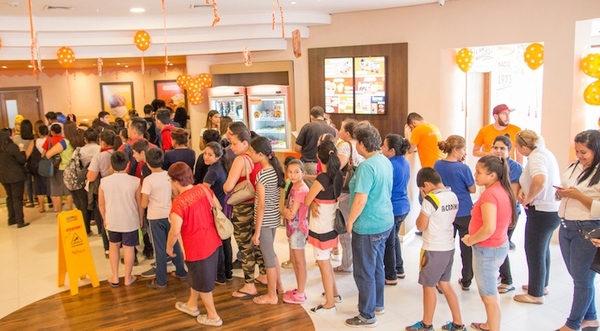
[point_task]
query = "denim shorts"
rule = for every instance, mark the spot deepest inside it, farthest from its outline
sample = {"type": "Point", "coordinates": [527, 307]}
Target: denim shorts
{"type": "Point", "coordinates": [297, 240]}
{"type": "Point", "coordinates": [486, 261]}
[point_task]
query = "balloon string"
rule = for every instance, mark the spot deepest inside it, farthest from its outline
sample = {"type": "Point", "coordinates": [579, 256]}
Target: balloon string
{"type": "Point", "coordinates": [33, 41]}
{"type": "Point", "coordinates": [273, 15]}
{"type": "Point", "coordinates": [165, 28]}
{"type": "Point", "coordinates": [215, 12]}
{"type": "Point", "coordinates": [68, 89]}
{"type": "Point", "coordinates": [282, 23]}
{"type": "Point", "coordinates": [143, 67]}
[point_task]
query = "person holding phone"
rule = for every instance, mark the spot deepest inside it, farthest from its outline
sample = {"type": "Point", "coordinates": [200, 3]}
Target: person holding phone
{"type": "Point", "coordinates": [579, 210]}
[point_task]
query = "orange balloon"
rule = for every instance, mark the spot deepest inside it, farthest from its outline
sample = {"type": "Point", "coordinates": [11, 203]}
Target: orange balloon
{"type": "Point", "coordinates": [205, 80]}
{"type": "Point", "coordinates": [464, 59]}
{"type": "Point", "coordinates": [194, 86]}
{"type": "Point", "coordinates": [591, 95]}
{"type": "Point", "coordinates": [196, 98]}
{"type": "Point", "coordinates": [590, 65]}
{"type": "Point", "coordinates": [65, 57]}
{"type": "Point", "coordinates": [183, 81]}
{"type": "Point", "coordinates": [534, 56]}
{"type": "Point", "coordinates": [142, 40]}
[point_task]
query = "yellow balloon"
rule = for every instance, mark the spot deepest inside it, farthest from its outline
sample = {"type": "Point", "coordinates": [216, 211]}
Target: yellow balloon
{"type": "Point", "coordinates": [534, 55]}
{"type": "Point", "coordinates": [196, 98]}
{"type": "Point", "coordinates": [65, 57]}
{"type": "Point", "coordinates": [142, 40]}
{"type": "Point", "coordinates": [590, 65]}
{"type": "Point", "coordinates": [183, 81]}
{"type": "Point", "coordinates": [464, 59]}
{"type": "Point", "coordinates": [591, 95]}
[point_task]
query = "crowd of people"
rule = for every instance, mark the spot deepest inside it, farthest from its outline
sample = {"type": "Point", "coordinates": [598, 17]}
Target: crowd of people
{"type": "Point", "coordinates": [144, 183]}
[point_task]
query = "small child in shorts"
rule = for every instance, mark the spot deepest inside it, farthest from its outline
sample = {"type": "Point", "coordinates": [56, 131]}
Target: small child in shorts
{"type": "Point", "coordinates": [119, 201]}
{"type": "Point", "coordinates": [295, 213]}
{"type": "Point", "coordinates": [438, 211]}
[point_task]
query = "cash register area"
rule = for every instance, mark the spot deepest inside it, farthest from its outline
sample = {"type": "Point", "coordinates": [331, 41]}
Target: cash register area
{"type": "Point", "coordinates": [29, 273]}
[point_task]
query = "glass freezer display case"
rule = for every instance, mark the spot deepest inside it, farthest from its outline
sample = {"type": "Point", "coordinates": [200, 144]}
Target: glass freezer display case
{"type": "Point", "coordinates": [229, 101]}
{"type": "Point", "coordinates": [268, 113]}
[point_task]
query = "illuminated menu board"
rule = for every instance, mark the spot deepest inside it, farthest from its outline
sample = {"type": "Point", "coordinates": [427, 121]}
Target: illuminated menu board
{"type": "Point", "coordinates": [369, 85]}
{"type": "Point", "coordinates": [339, 86]}
{"type": "Point", "coordinates": [355, 85]}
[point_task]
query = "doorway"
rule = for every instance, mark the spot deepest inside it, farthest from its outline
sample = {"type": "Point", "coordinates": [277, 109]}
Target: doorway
{"type": "Point", "coordinates": [25, 101]}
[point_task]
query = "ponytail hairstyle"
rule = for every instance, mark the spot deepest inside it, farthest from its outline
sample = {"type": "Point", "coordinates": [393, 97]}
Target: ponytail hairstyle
{"type": "Point", "coordinates": [111, 139]}
{"type": "Point", "coordinates": [398, 143]}
{"type": "Point", "coordinates": [263, 145]}
{"type": "Point", "coordinates": [499, 166]}
{"type": "Point", "coordinates": [591, 140]}
{"type": "Point", "coordinates": [327, 153]}
{"type": "Point", "coordinates": [451, 143]}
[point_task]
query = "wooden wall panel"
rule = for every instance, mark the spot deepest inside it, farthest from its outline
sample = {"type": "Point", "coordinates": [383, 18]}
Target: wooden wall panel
{"type": "Point", "coordinates": [396, 55]}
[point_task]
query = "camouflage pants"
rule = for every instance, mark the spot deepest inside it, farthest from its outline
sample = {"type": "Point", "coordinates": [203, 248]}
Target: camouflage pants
{"type": "Point", "coordinates": [243, 230]}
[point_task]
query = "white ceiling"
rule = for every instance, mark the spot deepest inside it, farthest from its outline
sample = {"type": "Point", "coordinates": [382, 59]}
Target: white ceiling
{"type": "Point", "coordinates": [105, 28]}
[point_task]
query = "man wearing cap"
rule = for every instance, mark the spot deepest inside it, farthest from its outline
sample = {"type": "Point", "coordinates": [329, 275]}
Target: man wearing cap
{"type": "Point", "coordinates": [501, 126]}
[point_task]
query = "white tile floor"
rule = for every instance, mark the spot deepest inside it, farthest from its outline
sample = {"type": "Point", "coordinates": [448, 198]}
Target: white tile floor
{"type": "Point", "coordinates": [29, 273]}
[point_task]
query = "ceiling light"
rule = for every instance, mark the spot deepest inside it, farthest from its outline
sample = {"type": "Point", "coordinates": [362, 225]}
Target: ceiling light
{"type": "Point", "coordinates": [126, 66]}
{"type": "Point", "coordinates": [118, 63]}
{"type": "Point", "coordinates": [293, 2]}
{"type": "Point", "coordinates": [4, 67]}
{"type": "Point", "coordinates": [30, 66]}
{"type": "Point", "coordinates": [137, 10]}
{"type": "Point", "coordinates": [170, 63]}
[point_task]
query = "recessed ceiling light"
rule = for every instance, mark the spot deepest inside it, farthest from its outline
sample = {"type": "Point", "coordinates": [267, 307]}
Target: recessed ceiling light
{"type": "Point", "coordinates": [293, 2]}
{"type": "Point", "coordinates": [4, 67]}
{"type": "Point", "coordinates": [126, 66]}
{"type": "Point", "coordinates": [137, 10]}
{"type": "Point", "coordinates": [30, 66]}
{"type": "Point", "coordinates": [118, 63]}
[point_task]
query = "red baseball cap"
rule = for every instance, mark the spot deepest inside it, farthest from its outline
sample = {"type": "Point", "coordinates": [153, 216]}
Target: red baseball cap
{"type": "Point", "coordinates": [501, 108]}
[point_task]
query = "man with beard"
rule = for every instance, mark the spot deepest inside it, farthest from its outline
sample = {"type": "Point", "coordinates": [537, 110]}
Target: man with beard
{"type": "Point", "coordinates": [501, 126]}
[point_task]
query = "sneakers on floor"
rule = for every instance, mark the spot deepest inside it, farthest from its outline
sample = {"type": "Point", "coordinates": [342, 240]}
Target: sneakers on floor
{"type": "Point", "coordinates": [379, 310]}
{"type": "Point", "coordinates": [322, 310]}
{"type": "Point", "coordinates": [287, 265]}
{"type": "Point", "coordinates": [292, 296]}
{"type": "Point", "coordinates": [336, 298]}
{"type": "Point", "coordinates": [359, 322]}
{"type": "Point", "coordinates": [419, 326]}
{"type": "Point", "coordinates": [462, 286]}
{"type": "Point", "coordinates": [454, 327]}
{"type": "Point", "coordinates": [149, 273]}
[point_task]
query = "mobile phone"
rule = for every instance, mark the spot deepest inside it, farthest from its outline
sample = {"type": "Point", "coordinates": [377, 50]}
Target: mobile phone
{"type": "Point", "coordinates": [595, 233]}
{"type": "Point", "coordinates": [557, 187]}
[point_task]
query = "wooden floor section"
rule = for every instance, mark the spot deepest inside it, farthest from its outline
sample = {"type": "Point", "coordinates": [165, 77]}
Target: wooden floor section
{"type": "Point", "coordinates": [140, 308]}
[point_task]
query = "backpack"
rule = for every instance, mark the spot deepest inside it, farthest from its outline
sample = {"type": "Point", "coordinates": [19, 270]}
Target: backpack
{"type": "Point", "coordinates": [75, 173]}
{"type": "Point", "coordinates": [33, 161]}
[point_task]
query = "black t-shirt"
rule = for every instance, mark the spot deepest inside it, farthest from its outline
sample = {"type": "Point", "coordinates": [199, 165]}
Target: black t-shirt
{"type": "Point", "coordinates": [152, 131]}
{"type": "Point", "coordinates": [326, 182]}
{"type": "Point", "coordinates": [200, 170]}
{"type": "Point", "coordinates": [180, 154]}
{"type": "Point", "coordinates": [216, 177]}
{"type": "Point", "coordinates": [308, 137]}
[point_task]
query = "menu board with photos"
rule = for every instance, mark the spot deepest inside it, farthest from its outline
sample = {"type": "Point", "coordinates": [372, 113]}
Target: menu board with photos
{"type": "Point", "coordinates": [369, 85]}
{"type": "Point", "coordinates": [339, 85]}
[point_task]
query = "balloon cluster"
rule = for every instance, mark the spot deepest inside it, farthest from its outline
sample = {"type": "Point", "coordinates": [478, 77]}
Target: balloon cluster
{"type": "Point", "coordinates": [534, 56]}
{"type": "Point", "coordinates": [590, 65]}
{"type": "Point", "coordinates": [464, 59]}
{"type": "Point", "coordinates": [194, 86]}
{"type": "Point", "coordinates": [65, 57]}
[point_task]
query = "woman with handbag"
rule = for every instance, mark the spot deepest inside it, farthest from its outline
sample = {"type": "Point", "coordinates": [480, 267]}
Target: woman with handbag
{"type": "Point", "coordinates": [56, 144]}
{"type": "Point", "coordinates": [241, 182]}
{"type": "Point", "coordinates": [12, 177]}
{"type": "Point", "coordinates": [579, 211]}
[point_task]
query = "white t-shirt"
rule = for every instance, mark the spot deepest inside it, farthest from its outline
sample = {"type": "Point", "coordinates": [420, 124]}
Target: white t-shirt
{"type": "Point", "coordinates": [121, 207]}
{"type": "Point", "coordinates": [158, 189]}
{"type": "Point", "coordinates": [87, 153]}
{"type": "Point", "coordinates": [344, 149]}
{"type": "Point", "coordinates": [542, 161]}
{"type": "Point", "coordinates": [441, 207]}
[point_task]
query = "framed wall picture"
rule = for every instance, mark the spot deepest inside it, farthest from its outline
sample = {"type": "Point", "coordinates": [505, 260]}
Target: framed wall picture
{"type": "Point", "coordinates": [173, 95]}
{"type": "Point", "coordinates": [117, 98]}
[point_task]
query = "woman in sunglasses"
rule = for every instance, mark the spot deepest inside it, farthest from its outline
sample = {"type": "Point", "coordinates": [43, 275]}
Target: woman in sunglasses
{"type": "Point", "coordinates": [580, 213]}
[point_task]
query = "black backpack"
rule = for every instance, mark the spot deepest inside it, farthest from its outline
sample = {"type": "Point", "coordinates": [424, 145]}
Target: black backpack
{"type": "Point", "coordinates": [33, 161]}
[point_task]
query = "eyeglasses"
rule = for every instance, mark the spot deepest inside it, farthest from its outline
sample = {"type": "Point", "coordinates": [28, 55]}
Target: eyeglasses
{"type": "Point", "coordinates": [593, 234]}
{"type": "Point", "coordinates": [522, 140]}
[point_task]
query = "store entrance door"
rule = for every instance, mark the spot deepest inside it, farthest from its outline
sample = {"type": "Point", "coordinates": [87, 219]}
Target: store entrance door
{"type": "Point", "coordinates": [26, 101]}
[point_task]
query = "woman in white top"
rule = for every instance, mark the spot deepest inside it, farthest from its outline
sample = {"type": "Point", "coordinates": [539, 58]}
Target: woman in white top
{"type": "Point", "coordinates": [580, 213]}
{"type": "Point", "coordinates": [537, 196]}
{"type": "Point", "coordinates": [213, 122]}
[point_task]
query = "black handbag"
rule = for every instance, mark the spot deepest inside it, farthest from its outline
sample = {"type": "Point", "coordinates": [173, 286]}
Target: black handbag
{"type": "Point", "coordinates": [46, 168]}
{"type": "Point", "coordinates": [339, 224]}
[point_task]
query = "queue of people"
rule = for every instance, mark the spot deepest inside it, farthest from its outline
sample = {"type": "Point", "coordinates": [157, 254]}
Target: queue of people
{"type": "Point", "coordinates": [365, 175]}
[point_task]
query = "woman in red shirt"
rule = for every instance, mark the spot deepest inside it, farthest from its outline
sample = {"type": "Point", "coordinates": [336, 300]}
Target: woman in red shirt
{"type": "Point", "coordinates": [191, 217]}
{"type": "Point", "coordinates": [488, 230]}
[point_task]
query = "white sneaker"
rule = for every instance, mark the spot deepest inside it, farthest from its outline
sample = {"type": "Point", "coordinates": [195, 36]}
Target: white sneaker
{"type": "Point", "coordinates": [322, 310]}
{"type": "Point", "coordinates": [336, 298]}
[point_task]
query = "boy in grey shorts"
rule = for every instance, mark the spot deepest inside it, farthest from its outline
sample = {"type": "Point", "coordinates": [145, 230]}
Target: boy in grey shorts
{"type": "Point", "coordinates": [438, 211]}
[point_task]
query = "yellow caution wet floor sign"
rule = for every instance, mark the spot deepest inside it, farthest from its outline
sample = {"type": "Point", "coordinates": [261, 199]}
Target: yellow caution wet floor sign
{"type": "Point", "coordinates": [74, 255]}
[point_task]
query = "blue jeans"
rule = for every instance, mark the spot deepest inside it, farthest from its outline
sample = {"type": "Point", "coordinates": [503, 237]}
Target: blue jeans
{"type": "Point", "coordinates": [368, 250]}
{"type": "Point", "coordinates": [486, 261]}
{"type": "Point", "coordinates": [578, 254]}
{"type": "Point", "coordinates": [392, 259]}
{"type": "Point", "coordinates": [538, 232]}
{"type": "Point", "coordinates": [159, 229]}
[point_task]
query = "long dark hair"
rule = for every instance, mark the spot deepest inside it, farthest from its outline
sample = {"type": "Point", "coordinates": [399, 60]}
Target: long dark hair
{"type": "Point", "coordinates": [5, 140]}
{"type": "Point", "coordinates": [327, 153]}
{"type": "Point", "coordinates": [591, 140]}
{"type": "Point", "coordinates": [263, 145]}
{"type": "Point", "coordinates": [499, 166]}
{"type": "Point", "coordinates": [27, 130]}
{"type": "Point", "coordinates": [73, 134]}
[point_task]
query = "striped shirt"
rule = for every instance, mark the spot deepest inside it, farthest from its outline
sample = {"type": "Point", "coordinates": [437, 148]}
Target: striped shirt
{"type": "Point", "coordinates": [272, 215]}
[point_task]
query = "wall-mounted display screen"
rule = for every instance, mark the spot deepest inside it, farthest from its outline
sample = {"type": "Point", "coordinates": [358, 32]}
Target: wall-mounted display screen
{"type": "Point", "coordinates": [339, 85]}
{"type": "Point", "coordinates": [369, 85]}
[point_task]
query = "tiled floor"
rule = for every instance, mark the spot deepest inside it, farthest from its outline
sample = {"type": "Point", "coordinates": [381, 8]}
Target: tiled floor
{"type": "Point", "coordinates": [29, 273]}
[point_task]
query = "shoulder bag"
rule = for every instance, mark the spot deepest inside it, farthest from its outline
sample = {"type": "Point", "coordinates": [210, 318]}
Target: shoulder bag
{"type": "Point", "coordinates": [339, 224]}
{"type": "Point", "coordinates": [242, 191]}
{"type": "Point", "coordinates": [222, 223]}
{"type": "Point", "coordinates": [348, 171]}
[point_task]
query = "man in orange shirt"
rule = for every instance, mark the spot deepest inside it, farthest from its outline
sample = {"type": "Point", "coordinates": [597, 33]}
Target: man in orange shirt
{"type": "Point", "coordinates": [501, 126]}
{"type": "Point", "coordinates": [424, 138]}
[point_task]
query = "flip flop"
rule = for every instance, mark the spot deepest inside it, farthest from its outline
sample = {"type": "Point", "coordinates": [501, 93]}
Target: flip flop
{"type": "Point", "coordinates": [113, 284]}
{"type": "Point", "coordinates": [391, 282]}
{"type": "Point", "coordinates": [526, 288]}
{"type": "Point", "coordinates": [243, 295]}
{"type": "Point", "coordinates": [401, 276]}
{"type": "Point", "coordinates": [132, 282]}
{"type": "Point", "coordinates": [526, 298]}
{"type": "Point", "coordinates": [256, 281]}
{"type": "Point", "coordinates": [478, 326]}
{"type": "Point", "coordinates": [183, 307]}
{"type": "Point", "coordinates": [174, 274]}
{"type": "Point", "coordinates": [505, 288]}
{"type": "Point", "coordinates": [260, 300]}
{"type": "Point", "coordinates": [339, 270]}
